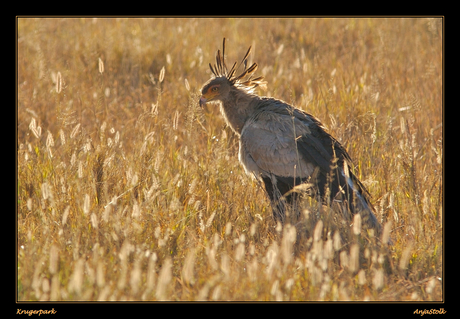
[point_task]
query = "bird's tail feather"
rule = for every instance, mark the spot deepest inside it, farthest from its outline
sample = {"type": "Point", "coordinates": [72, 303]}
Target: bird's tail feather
{"type": "Point", "coordinates": [358, 198]}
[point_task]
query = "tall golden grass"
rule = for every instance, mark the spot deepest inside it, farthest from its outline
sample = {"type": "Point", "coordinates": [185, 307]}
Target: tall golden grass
{"type": "Point", "coordinates": [127, 190]}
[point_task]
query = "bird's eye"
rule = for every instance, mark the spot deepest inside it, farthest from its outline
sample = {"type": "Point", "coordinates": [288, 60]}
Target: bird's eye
{"type": "Point", "coordinates": [214, 89]}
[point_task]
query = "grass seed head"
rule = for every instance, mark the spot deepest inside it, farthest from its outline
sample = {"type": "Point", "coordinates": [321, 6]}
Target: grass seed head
{"type": "Point", "coordinates": [54, 260]}
{"type": "Point", "coordinates": [162, 75]}
{"type": "Point", "coordinates": [58, 82]}
{"type": "Point", "coordinates": [386, 232]}
{"type": "Point", "coordinates": [101, 65]}
{"type": "Point", "coordinates": [357, 224]}
{"type": "Point", "coordinates": [86, 204]}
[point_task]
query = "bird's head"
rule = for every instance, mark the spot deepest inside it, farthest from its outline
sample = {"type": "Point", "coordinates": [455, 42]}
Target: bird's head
{"type": "Point", "coordinates": [219, 87]}
{"type": "Point", "coordinates": [215, 89]}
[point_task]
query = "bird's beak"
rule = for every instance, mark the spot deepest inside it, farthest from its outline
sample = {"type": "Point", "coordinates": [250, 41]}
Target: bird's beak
{"type": "Point", "coordinates": [203, 101]}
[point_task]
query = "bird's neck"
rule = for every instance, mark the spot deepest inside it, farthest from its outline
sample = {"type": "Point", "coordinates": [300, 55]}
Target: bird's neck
{"type": "Point", "coordinates": [238, 108]}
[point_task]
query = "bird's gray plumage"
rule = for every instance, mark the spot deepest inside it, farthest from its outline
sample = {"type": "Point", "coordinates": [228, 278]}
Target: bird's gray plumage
{"type": "Point", "coordinates": [283, 146]}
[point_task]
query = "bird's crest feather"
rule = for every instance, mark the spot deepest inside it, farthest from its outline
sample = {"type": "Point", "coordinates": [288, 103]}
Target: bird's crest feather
{"type": "Point", "coordinates": [220, 70]}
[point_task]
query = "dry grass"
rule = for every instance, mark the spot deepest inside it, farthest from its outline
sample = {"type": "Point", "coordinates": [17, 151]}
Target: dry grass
{"type": "Point", "coordinates": [127, 190]}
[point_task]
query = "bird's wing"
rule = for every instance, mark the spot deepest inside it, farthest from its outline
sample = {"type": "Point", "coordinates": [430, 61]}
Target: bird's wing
{"type": "Point", "coordinates": [287, 144]}
{"type": "Point", "coordinates": [268, 146]}
{"type": "Point", "coordinates": [281, 140]}
{"type": "Point", "coordinates": [285, 141]}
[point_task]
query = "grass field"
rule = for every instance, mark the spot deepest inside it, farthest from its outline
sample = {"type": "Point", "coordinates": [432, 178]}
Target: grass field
{"type": "Point", "coordinates": [128, 190]}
